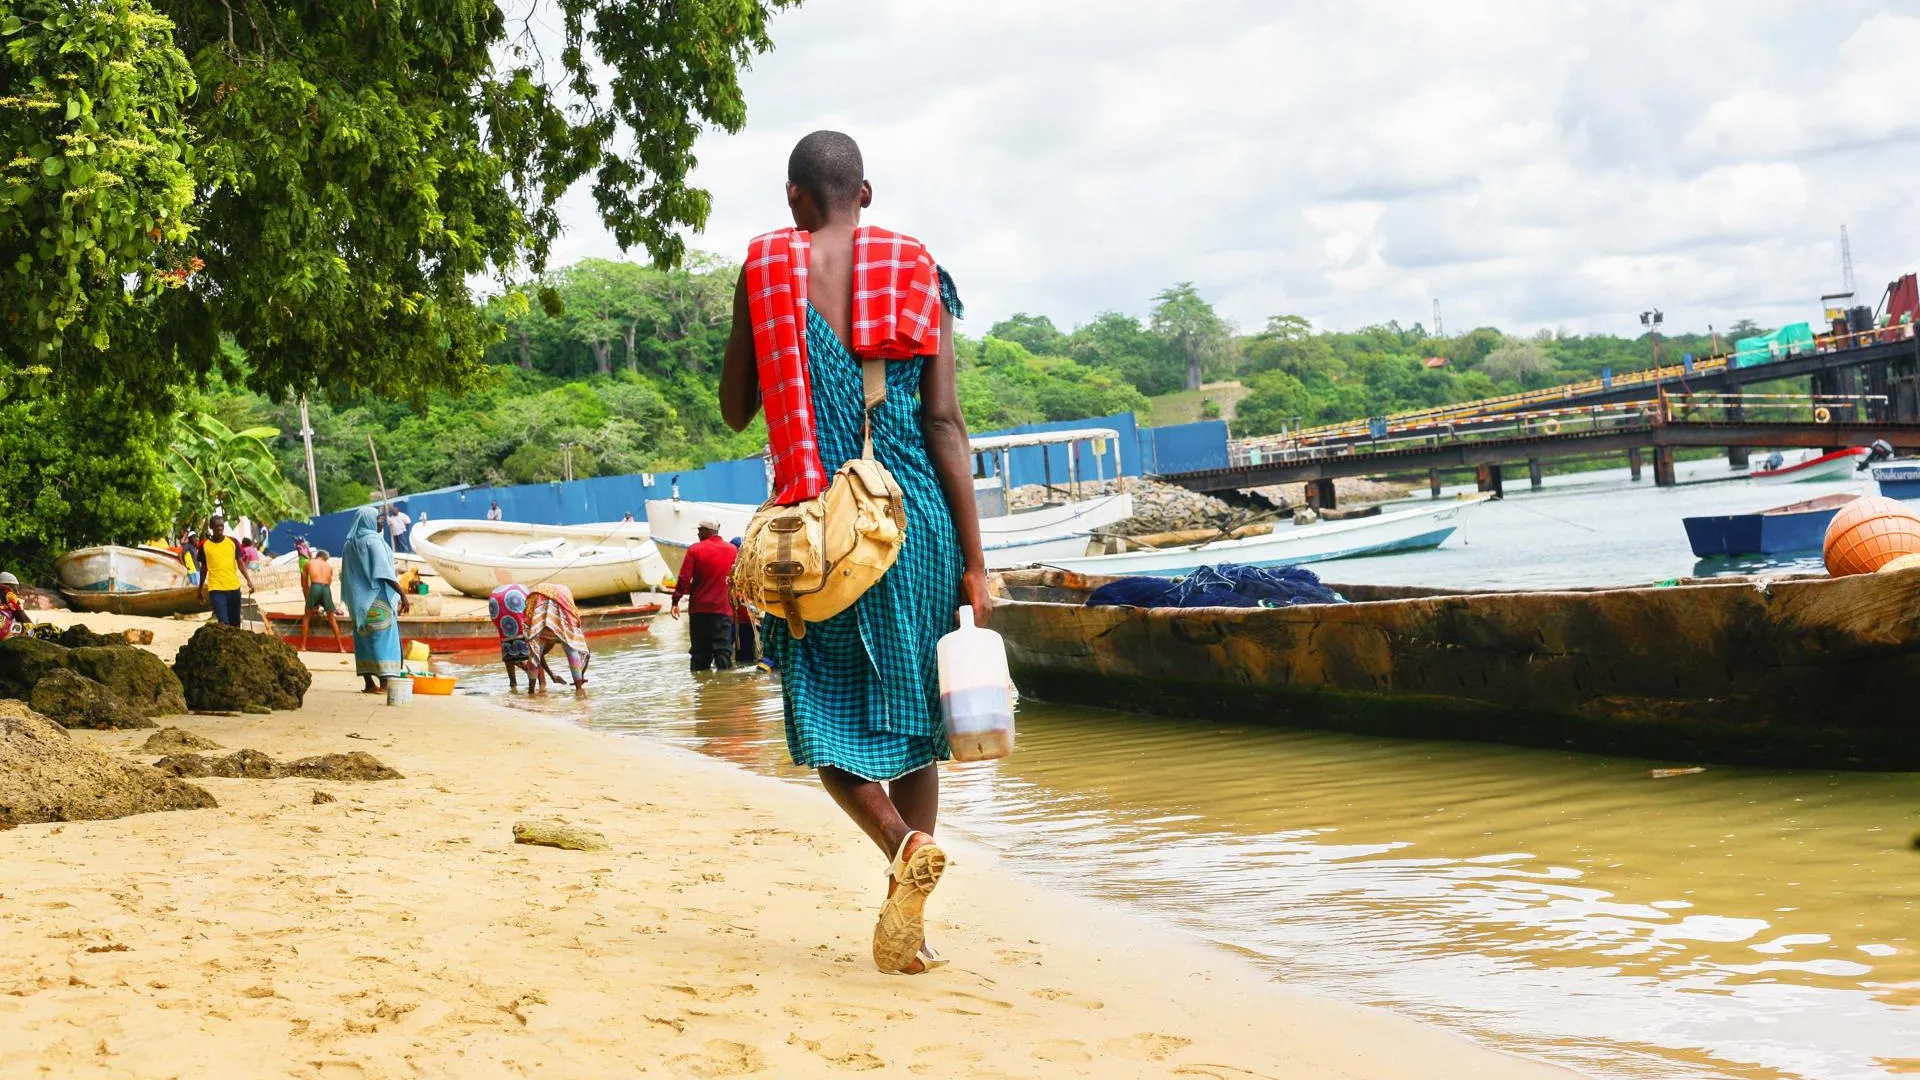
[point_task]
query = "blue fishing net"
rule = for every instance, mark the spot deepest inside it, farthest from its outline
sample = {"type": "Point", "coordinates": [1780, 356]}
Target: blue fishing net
{"type": "Point", "coordinates": [1224, 585]}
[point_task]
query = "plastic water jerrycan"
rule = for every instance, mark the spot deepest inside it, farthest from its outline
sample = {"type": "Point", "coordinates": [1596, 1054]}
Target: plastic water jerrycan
{"type": "Point", "coordinates": [976, 692]}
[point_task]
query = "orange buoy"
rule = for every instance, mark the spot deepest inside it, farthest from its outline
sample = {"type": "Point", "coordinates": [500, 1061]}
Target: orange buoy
{"type": "Point", "coordinates": [1868, 533]}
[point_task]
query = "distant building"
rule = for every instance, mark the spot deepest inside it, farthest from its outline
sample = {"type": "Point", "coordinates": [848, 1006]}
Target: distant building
{"type": "Point", "coordinates": [1435, 363]}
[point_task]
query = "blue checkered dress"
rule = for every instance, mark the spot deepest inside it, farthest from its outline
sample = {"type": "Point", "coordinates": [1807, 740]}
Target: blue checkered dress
{"type": "Point", "coordinates": [862, 689]}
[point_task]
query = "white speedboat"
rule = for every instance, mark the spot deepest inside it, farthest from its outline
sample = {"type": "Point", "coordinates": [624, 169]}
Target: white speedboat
{"type": "Point", "coordinates": [1838, 465]}
{"type": "Point", "coordinates": [1400, 530]}
{"type": "Point", "coordinates": [1054, 528]}
{"type": "Point", "coordinates": [475, 557]}
{"type": "Point", "coordinates": [126, 581]}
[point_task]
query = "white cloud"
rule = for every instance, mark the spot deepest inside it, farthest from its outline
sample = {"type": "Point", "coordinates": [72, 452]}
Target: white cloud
{"type": "Point", "coordinates": [1537, 163]}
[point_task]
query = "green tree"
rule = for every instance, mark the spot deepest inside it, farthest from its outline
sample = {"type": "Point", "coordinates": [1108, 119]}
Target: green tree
{"type": "Point", "coordinates": [1118, 343]}
{"type": "Point", "coordinates": [1521, 362]}
{"type": "Point", "coordinates": [356, 167]}
{"type": "Point", "coordinates": [94, 182]}
{"type": "Point", "coordinates": [1200, 337]}
{"type": "Point", "coordinates": [77, 469]}
{"type": "Point", "coordinates": [1036, 333]}
{"type": "Point", "coordinates": [216, 469]}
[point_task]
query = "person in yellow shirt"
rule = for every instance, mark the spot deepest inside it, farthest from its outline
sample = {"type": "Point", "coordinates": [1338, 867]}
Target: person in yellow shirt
{"type": "Point", "coordinates": [222, 571]}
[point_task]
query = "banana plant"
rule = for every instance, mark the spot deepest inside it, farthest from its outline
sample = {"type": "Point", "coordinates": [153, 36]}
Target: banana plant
{"type": "Point", "coordinates": [234, 472]}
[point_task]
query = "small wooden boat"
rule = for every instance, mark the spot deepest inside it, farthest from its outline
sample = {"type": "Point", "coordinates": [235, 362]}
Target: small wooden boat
{"type": "Point", "coordinates": [595, 561]}
{"type": "Point", "coordinates": [1838, 465]}
{"type": "Point", "coordinates": [1810, 671]}
{"type": "Point", "coordinates": [1401, 530]}
{"type": "Point", "coordinates": [1800, 526]}
{"type": "Point", "coordinates": [127, 581]}
{"type": "Point", "coordinates": [469, 632]}
{"type": "Point", "coordinates": [675, 524]}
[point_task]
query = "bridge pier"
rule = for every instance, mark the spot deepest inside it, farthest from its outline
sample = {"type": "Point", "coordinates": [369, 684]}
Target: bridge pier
{"type": "Point", "coordinates": [1633, 463]}
{"type": "Point", "coordinates": [1737, 458]}
{"type": "Point", "coordinates": [1535, 475]}
{"type": "Point", "coordinates": [1663, 466]}
{"type": "Point", "coordinates": [1320, 494]}
{"type": "Point", "coordinates": [1433, 482]}
{"type": "Point", "coordinates": [1490, 480]}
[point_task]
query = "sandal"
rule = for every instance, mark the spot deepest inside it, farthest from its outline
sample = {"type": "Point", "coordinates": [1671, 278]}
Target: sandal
{"type": "Point", "coordinates": [900, 937]}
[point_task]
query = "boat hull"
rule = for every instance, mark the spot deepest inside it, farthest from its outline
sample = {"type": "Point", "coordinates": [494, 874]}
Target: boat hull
{"type": "Point", "coordinates": [676, 524]}
{"type": "Point", "coordinates": [594, 561]}
{"type": "Point", "coordinates": [1772, 532]}
{"type": "Point", "coordinates": [1799, 672]}
{"type": "Point", "coordinates": [1898, 479]}
{"type": "Point", "coordinates": [126, 581]}
{"type": "Point", "coordinates": [1839, 465]}
{"type": "Point", "coordinates": [1403, 530]}
{"type": "Point", "coordinates": [463, 633]}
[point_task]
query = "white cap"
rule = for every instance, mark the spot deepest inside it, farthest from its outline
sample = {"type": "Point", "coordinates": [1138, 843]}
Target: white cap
{"type": "Point", "coordinates": [710, 523]}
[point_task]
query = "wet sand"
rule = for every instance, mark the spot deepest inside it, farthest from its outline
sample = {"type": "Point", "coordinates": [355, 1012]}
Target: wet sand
{"type": "Point", "coordinates": [398, 931]}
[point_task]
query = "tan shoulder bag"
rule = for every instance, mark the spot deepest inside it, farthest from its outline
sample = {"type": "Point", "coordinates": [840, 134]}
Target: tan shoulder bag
{"type": "Point", "coordinates": [810, 561]}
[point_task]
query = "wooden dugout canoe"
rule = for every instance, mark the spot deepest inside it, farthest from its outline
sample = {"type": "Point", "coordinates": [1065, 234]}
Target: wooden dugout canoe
{"type": "Point", "coordinates": [1803, 672]}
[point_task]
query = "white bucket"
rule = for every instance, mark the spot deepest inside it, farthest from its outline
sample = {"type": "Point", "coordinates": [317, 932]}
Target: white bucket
{"type": "Point", "coordinates": [399, 691]}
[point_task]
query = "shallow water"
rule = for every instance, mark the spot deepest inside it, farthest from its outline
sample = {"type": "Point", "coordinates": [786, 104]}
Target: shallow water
{"type": "Point", "coordinates": [1735, 922]}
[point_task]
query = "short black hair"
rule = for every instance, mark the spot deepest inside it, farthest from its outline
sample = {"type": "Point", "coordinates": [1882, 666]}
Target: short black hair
{"type": "Point", "coordinates": [827, 166]}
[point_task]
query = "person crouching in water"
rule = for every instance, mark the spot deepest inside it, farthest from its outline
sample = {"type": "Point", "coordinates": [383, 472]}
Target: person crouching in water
{"type": "Point", "coordinates": [507, 607]}
{"type": "Point", "coordinates": [861, 689]}
{"type": "Point", "coordinates": [552, 620]}
{"type": "Point", "coordinates": [319, 597]}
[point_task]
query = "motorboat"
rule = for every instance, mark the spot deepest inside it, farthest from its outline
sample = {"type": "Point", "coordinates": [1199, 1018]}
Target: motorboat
{"type": "Point", "coordinates": [1800, 526]}
{"type": "Point", "coordinates": [1415, 529]}
{"type": "Point", "coordinates": [1898, 479]}
{"type": "Point", "coordinates": [595, 561]}
{"type": "Point", "coordinates": [1058, 527]}
{"type": "Point", "coordinates": [127, 581]}
{"type": "Point", "coordinates": [1837, 465]}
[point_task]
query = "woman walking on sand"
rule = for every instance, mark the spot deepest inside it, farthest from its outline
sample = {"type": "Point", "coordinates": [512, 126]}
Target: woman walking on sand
{"type": "Point", "coordinates": [372, 592]}
{"type": "Point", "coordinates": [861, 689]}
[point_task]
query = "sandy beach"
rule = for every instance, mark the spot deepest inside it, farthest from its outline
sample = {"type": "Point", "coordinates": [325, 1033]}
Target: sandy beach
{"type": "Point", "coordinates": [398, 931]}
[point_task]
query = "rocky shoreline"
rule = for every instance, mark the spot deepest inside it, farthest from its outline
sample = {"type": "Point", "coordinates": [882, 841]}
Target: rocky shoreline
{"type": "Point", "coordinates": [1160, 508]}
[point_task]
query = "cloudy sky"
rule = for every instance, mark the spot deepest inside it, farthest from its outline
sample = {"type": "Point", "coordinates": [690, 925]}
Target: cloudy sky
{"type": "Point", "coordinates": [1541, 163]}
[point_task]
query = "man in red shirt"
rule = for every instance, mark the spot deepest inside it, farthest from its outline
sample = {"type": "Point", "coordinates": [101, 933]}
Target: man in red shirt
{"type": "Point", "coordinates": [703, 574]}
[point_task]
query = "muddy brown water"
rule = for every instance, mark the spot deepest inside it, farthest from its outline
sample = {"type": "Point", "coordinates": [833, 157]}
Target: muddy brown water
{"type": "Point", "coordinates": [1728, 923]}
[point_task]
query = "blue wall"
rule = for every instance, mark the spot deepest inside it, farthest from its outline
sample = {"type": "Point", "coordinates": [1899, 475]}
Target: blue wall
{"type": "Point", "coordinates": [1183, 448]}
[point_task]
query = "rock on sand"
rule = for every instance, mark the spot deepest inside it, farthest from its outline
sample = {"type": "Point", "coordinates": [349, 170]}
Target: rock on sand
{"type": "Point", "coordinates": [73, 700]}
{"type": "Point", "coordinates": [226, 669]}
{"type": "Point", "coordinates": [254, 765]}
{"type": "Point", "coordinates": [47, 776]}
{"type": "Point", "coordinates": [142, 679]}
{"type": "Point", "coordinates": [558, 834]}
{"type": "Point", "coordinates": [175, 740]}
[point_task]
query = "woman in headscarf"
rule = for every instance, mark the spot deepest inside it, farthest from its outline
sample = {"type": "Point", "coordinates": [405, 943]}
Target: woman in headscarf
{"type": "Point", "coordinates": [553, 620]}
{"type": "Point", "coordinates": [372, 592]}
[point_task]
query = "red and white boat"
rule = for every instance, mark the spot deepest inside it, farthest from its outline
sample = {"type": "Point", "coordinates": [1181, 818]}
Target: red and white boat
{"type": "Point", "coordinates": [1838, 465]}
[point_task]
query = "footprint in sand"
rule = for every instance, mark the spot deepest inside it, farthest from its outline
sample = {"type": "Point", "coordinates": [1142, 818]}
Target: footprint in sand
{"type": "Point", "coordinates": [720, 1057]}
{"type": "Point", "coordinates": [1064, 1051]}
{"type": "Point", "coordinates": [1067, 997]}
{"type": "Point", "coordinates": [842, 1052]}
{"type": "Point", "coordinates": [1222, 1072]}
{"type": "Point", "coordinates": [1019, 957]}
{"type": "Point", "coordinates": [1146, 1046]}
{"type": "Point", "coordinates": [971, 1004]}
{"type": "Point", "coordinates": [716, 993]}
{"type": "Point", "coordinates": [942, 1059]}
{"type": "Point", "coordinates": [838, 1010]}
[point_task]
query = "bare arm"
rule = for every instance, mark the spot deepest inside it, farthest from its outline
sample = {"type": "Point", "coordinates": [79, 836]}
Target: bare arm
{"type": "Point", "coordinates": [739, 377]}
{"type": "Point", "coordinates": [945, 430]}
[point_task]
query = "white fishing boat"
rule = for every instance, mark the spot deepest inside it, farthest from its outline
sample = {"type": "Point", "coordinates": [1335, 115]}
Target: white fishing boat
{"type": "Point", "coordinates": [1055, 528]}
{"type": "Point", "coordinates": [126, 581]}
{"type": "Point", "coordinates": [475, 557]}
{"type": "Point", "coordinates": [1838, 465]}
{"type": "Point", "coordinates": [1400, 530]}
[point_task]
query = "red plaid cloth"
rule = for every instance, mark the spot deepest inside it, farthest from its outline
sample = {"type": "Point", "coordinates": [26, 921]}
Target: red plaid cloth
{"type": "Point", "coordinates": [896, 315]}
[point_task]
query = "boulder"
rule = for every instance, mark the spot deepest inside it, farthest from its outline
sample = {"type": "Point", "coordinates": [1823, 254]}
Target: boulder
{"type": "Point", "coordinates": [188, 765]}
{"type": "Point", "coordinates": [47, 776]}
{"type": "Point", "coordinates": [73, 700]}
{"type": "Point", "coordinates": [23, 660]}
{"type": "Point", "coordinates": [357, 765]}
{"type": "Point", "coordinates": [79, 636]}
{"type": "Point", "coordinates": [175, 740]}
{"type": "Point", "coordinates": [226, 669]}
{"type": "Point", "coordinates": [142, 679]}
